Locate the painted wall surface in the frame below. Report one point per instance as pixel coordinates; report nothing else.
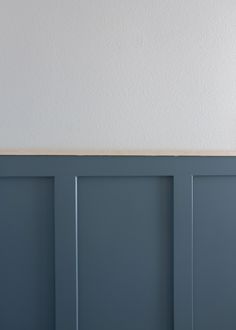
(118, 74)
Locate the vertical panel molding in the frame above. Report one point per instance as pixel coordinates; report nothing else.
(183, 252)
(66, 253)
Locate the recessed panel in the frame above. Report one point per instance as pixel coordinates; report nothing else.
(125, 253)
(214, 253)
(26, 254)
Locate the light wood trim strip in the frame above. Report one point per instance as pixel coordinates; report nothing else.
(54, 152)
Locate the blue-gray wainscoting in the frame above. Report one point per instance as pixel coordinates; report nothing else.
(117, 243)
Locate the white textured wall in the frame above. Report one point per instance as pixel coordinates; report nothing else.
(118, 74)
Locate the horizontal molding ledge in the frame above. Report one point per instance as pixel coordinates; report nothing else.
(54, 152)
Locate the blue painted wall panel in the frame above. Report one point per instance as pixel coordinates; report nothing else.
(117, 243)
(26, 254)
(125, 253)
(214, 252)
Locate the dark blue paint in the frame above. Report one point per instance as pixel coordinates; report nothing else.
(214, 253)
(117, 243)
(125, 253)
(26, 254)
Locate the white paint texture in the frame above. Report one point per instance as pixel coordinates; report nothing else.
(118, 74)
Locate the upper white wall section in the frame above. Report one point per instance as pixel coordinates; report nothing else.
(118, 74)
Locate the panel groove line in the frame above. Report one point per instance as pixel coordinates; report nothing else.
(76, 254)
